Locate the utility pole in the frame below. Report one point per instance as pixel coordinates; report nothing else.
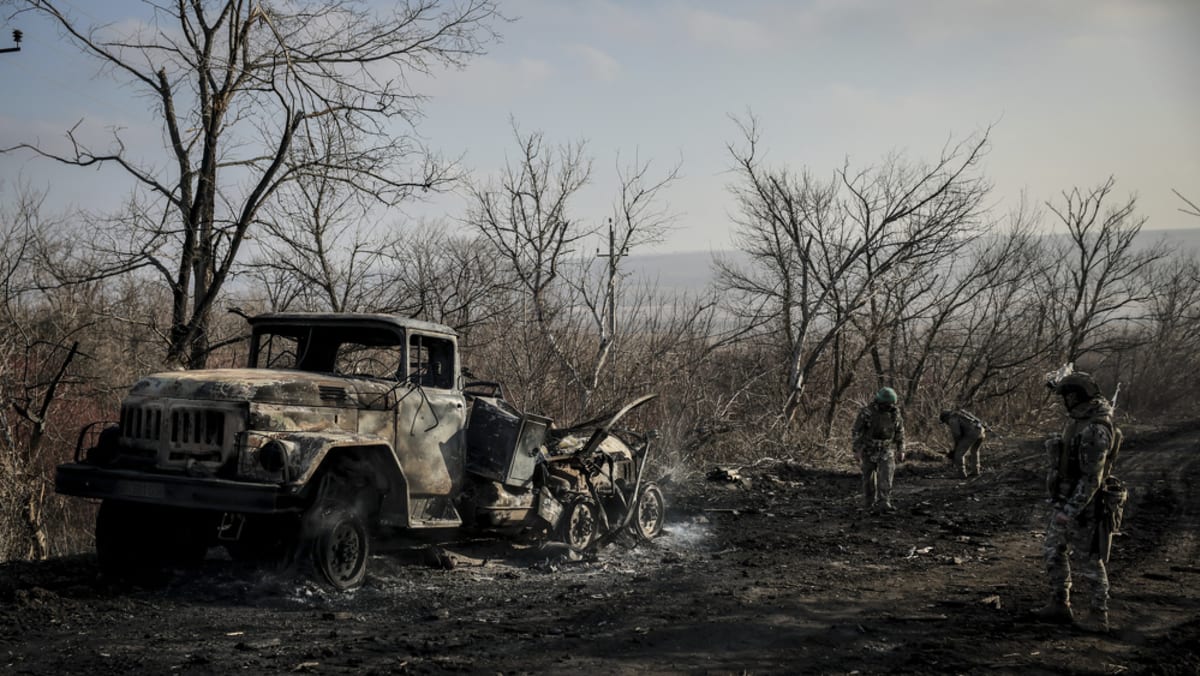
(17, 35)
(614, 257)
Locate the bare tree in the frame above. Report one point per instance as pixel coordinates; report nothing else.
(1192, 209)
(524, 214)
(984, 331)
(454, 279)
(317, 248)
(639, 218)
(1102, 267)
(1172, 352)
(39, 331)
(822, 251)
(239, 87)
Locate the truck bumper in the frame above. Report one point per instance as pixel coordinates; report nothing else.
(90, 481)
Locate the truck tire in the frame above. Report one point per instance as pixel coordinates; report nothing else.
(579, 523)
(340, 545)
(650, 513)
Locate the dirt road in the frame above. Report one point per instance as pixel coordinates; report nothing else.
(780, 573)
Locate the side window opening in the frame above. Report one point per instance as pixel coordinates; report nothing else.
(431, 361)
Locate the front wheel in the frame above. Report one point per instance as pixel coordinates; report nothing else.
(340, 546)
(650, 514)
(579, 524)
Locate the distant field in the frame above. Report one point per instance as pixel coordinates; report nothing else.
(691, 271)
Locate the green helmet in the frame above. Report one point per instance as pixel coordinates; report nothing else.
(886, 395)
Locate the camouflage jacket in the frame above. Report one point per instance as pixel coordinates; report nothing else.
(1086, 440)
(873, 429)
(964, 425)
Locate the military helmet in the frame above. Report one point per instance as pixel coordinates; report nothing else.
(1078, 382)
(886, 395)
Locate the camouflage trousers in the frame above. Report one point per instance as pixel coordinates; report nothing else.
(1075, 540)
(878, 469)
(965, 456)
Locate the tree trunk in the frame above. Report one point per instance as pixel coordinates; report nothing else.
(35, 529)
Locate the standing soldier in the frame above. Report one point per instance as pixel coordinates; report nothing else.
(878, 426)
(966, 435)
(1080, 460)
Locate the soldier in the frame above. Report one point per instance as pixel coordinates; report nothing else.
(966, 435)
(877, 428)
(1080, 460)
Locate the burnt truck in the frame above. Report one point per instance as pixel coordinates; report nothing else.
(341, 430)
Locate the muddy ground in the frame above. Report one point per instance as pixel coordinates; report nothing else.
(776, 573)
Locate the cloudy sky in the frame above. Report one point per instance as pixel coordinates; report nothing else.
(1077, 90)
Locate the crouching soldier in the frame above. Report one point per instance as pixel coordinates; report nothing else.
(1080, 525)
(878, 427)
(966, 436)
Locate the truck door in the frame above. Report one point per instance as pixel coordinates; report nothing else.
(429, 427)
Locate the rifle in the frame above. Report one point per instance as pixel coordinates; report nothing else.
(1111, 498)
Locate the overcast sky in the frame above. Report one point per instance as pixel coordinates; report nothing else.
(1077, 90)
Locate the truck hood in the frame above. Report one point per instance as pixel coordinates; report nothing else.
(267, 386)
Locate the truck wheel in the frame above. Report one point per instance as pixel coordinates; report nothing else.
(340, 546)
(579, 524)
(648, 520)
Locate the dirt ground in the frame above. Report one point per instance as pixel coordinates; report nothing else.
(779, 572)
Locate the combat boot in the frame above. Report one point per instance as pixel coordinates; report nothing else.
(1057, 611)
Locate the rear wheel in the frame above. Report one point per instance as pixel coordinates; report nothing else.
(650, 514)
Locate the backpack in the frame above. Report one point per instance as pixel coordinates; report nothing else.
(971, 418)
(883, 424)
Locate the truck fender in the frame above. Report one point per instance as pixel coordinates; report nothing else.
(368, 458)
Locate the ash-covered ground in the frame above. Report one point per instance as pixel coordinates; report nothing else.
(777, 571)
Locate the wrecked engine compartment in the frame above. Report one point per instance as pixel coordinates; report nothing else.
(580, 485)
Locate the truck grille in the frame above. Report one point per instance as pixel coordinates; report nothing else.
(183, 431)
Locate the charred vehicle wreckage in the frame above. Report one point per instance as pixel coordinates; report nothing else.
(344, 429)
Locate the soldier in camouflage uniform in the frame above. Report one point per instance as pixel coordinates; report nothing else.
(1078, 464)
(878, 427)
(966, 434)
